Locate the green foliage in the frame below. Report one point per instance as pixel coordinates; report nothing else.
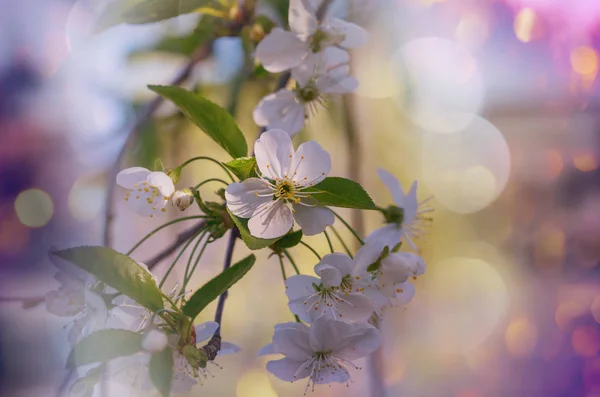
(118, 271)
(254, 243)
(104, 345)
(146, 149)
(215, 121)
(281, 8)
(158, 10)
(217, 286)
(160, 369)
(288, 241)
(243, 168)
(341, 192)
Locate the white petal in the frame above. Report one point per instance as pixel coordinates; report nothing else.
(308, 308)
(280, 111)
(132, 176)
(313, 220)
(387, 236)
(358, 340)
(182, 383)
(144, 203)
(377, 297)
(154, 341)
(397, 268)
(393, 185)
(65, 302)
(281, 50)
(162, 182)
(355, 307)
(340, 261)
(242, 199)
(302, 18)
(354, 35)
(228, 348)
(332, 375)
(274, 152)
(293, 343)
(312, 66)
(410, 204)
(287, 370)
(300, 286)
(323, 333)
(205, 330)
(336, 84)
(271, 220)
(330, 276)
(311, 164)
(406, 294)
(267, 350)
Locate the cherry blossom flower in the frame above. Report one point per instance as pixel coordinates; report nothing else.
(282, 50)
(320, 353)
(315, 78)
(74, 298)
(154, 340)
(147, 193)
(332, 295)
(277, 198)
(182, 199)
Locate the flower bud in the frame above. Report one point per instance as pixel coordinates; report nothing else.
(182, 199)
(154, 341)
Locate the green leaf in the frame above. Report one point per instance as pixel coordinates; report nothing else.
(104, 345)
(160, 369)
(288, 241)
(110, 15)
(217, 286)
(117, 270)
(254, 243)
(243, 168)
(341, 192)
(158, 165)
(215, 121)
(158, 10)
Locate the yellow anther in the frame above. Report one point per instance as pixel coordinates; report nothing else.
(399, 290)
(302, 157)
(140, 189)
(146, 189)
(137, 197)
(154, 208)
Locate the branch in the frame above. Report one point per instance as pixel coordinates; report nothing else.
(143, 116)
(181, 238)
(233, 236)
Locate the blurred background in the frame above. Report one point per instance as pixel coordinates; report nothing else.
(492, 105)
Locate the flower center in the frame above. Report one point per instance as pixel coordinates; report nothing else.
(322, 355)
(286, 190)
(346, 284)
(394, 214)
(317, 40)
(308, 93)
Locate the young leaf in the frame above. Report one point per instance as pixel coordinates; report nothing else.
(218, 285)
(288, 241)
(215, 121)
(243, 168)
(160, 369)
(117, 270)
(157, 10)
(254, 243)
(104, 345)
(341, 192)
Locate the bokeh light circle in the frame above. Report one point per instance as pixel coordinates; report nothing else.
(467, 297)
(443, 86)
(467, 170)
(86, 199)
(34, 208)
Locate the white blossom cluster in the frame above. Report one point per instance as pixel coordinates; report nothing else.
(315, 51)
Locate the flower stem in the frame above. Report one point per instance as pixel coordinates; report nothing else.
(287, 254)
(328, 241)
(233, 236)
(311, 248)
(341, 240)
(181, 239)
(191, 257)
(211, 180)
(136, 246)
(209, 159)
(162, 282)
(188, 276)
(349, 227)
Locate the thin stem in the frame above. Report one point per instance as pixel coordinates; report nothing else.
(136, 246)
(341, 240)
(189, 262)
(287, 254)
(328, 241)
(162, 282)
(348, 226)
(285, 278)
(233, 236)
(187, 279)
(211, 180)
(311, 248)
(181, 239)
(209, 159)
